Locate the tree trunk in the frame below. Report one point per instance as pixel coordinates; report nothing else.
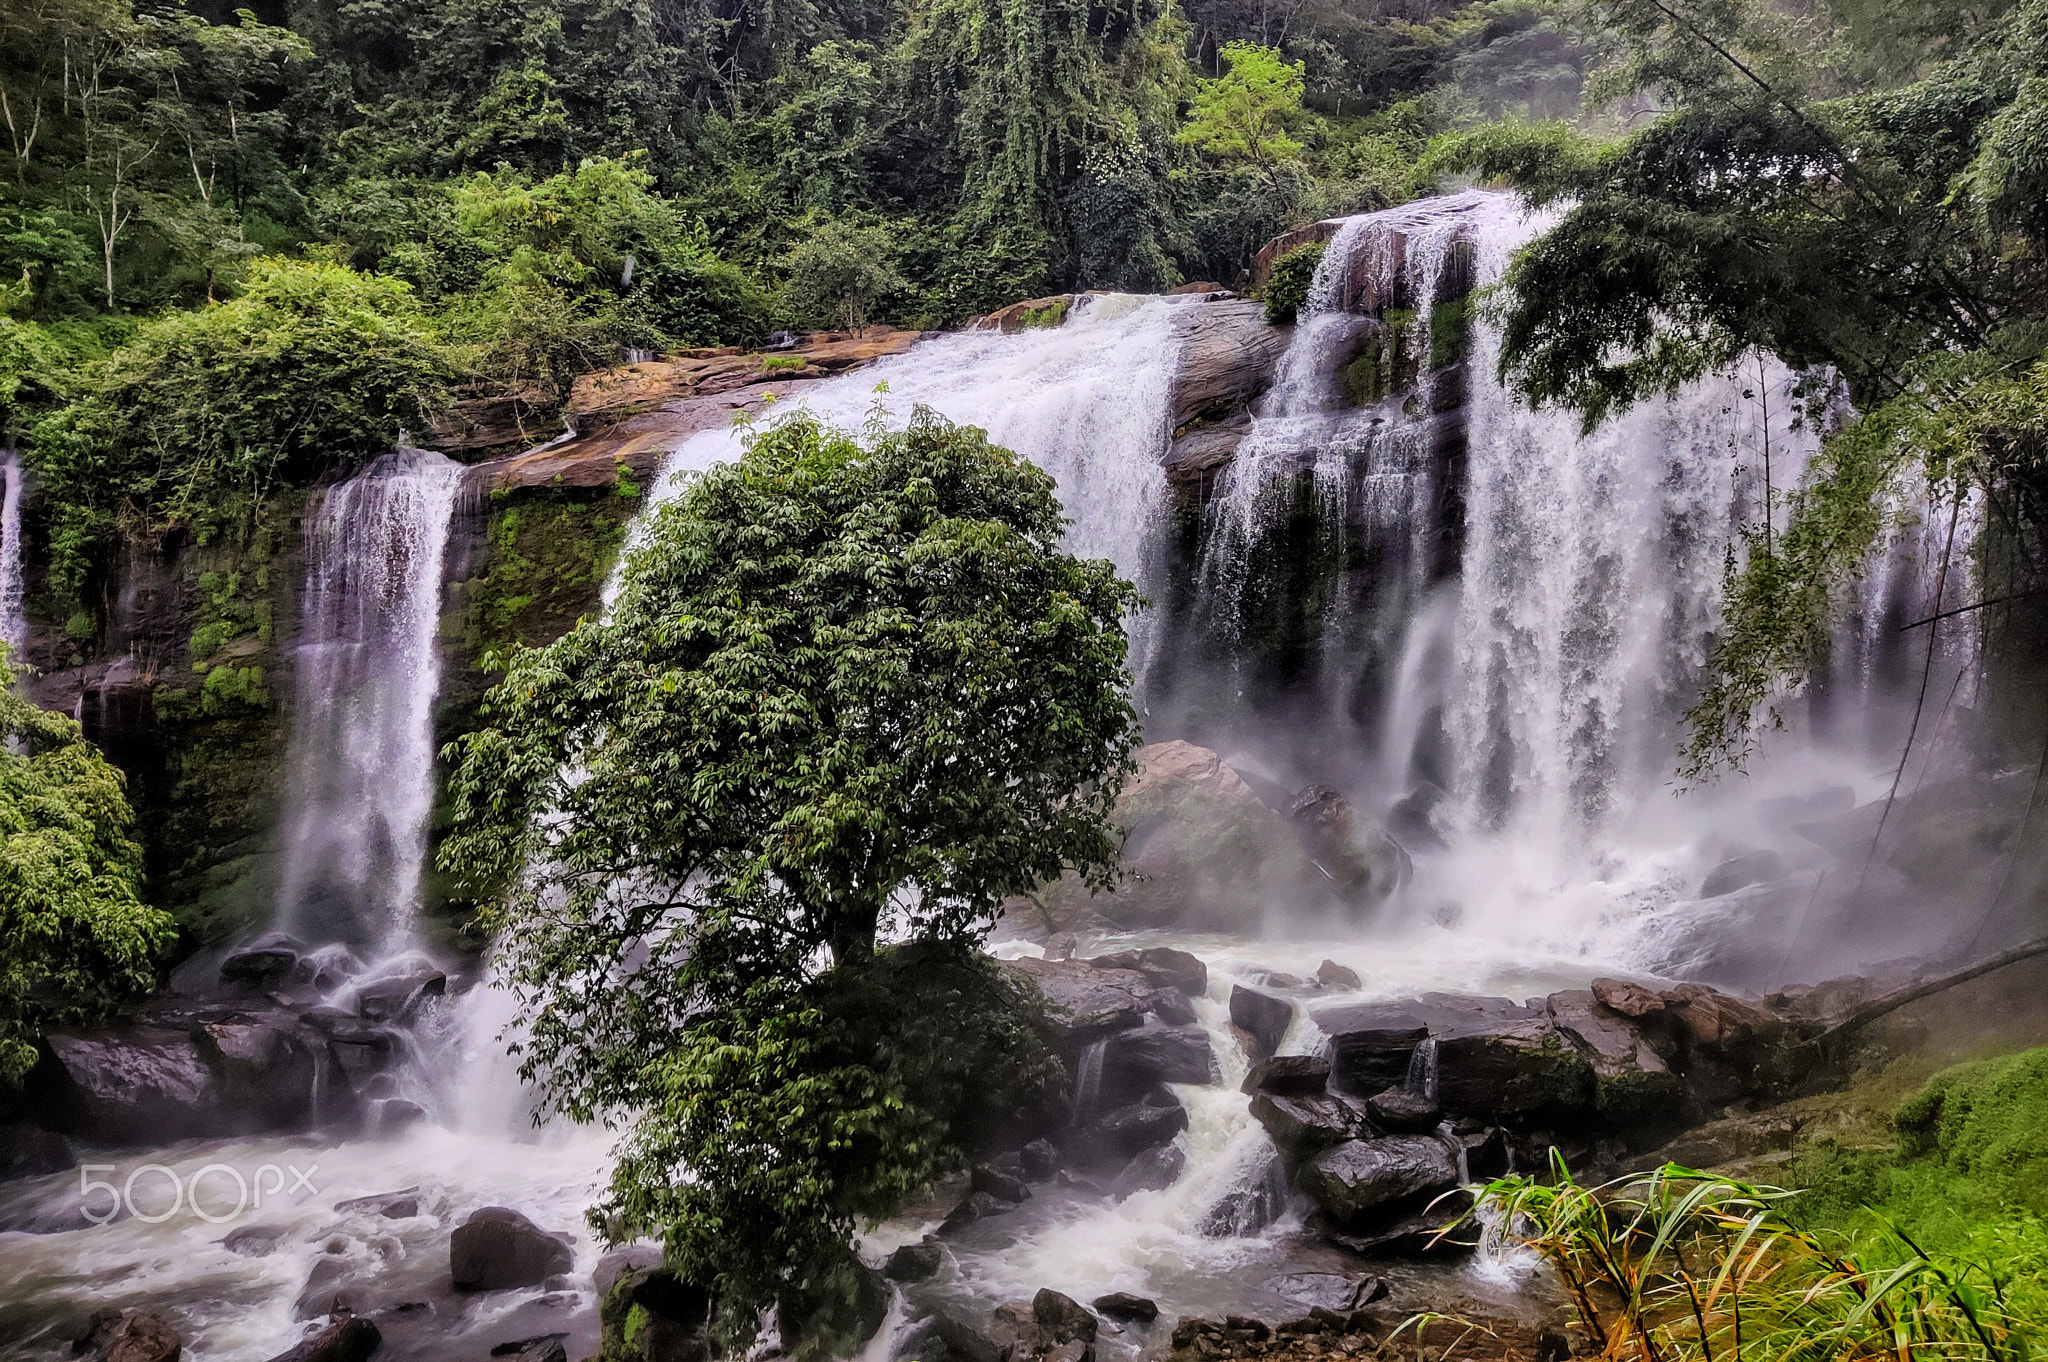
(1835, 1036)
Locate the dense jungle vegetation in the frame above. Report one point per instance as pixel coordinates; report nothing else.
(246, 249)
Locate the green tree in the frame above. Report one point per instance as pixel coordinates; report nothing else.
(851, 691)
(76, 939)
(192, 421)
(1249, 114)
(840, 273)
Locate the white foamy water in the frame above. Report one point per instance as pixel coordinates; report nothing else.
(13, 623)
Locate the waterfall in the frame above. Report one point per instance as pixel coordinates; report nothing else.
(368, 667)
(13, 623)
(1591, 576)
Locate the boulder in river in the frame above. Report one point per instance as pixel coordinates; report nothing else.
(130, 1336)
(1152, 1120)
(1262, 1016)
(1364, 864)
(1140, 1058)
(1122, 1305)
(350, 1338)
(1289, 1076)
(915, 1262)
(1202, 848)
(31, 1152)
(262, 966)
(1085, 1000)
(1354, 1180)
(1164, 966)
(1740, 872)
(648, 1314)
(1300, 1126)
(497, 1248)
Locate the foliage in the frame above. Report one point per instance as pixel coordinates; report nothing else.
(782, 1123)
(851, 690)
(1679, 1264)
(1287, 288)
(1248, 114)
(202, 412)
(76, 939)
(838, 274)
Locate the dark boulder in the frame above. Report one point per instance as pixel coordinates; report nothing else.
(972, 1207)
(1039, 1159)
(546, 1348)
(648, 1314)
(1062, 1318)
(1330, 1290)
(1511, 1067)
(1361, 1180)
(1152, 1171)
(1289, 1076)
(1632, 1085)
(1440, 1229)
(393, 996)
(130, 1336)
(31, 1152)
(1122, 1305)
(1149, 1055)
(1371, 1044)
(1360, 859)
(915, 1262)
(1263, 1017)
(497, 1249)
(1330, 974)
(1171, 1006)
(997, 1183)
(326, 1290)
(130, 1085)
(253, 1241)
(395, 1115)
(266, 1065)
(260, 966)
(1138, 1126)
(942, 1338)
(1403, 1111)
(1164, 966)
(1302, 1125)
(620, 1261)
(1087, 1002)
(351, 1338)
(1740, 872)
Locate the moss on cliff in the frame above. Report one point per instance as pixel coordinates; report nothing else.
(547, 557)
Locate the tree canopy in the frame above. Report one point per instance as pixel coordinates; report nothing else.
(852, 691)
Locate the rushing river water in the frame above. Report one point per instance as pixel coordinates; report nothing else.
(1530, 659)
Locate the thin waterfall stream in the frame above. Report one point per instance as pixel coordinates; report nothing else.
(13, 623)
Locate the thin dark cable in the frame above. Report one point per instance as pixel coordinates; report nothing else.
(1980, 605)
(1920, 704)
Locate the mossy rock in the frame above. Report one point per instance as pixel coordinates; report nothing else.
(1288, 286)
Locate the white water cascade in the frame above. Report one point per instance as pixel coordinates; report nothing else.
(368, 669)
(13, 624)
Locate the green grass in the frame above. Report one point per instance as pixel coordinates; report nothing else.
(1932, 1245)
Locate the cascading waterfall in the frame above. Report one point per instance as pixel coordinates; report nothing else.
(368, 669)
(13, 623)
(1519, 617)
(1591, 577)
